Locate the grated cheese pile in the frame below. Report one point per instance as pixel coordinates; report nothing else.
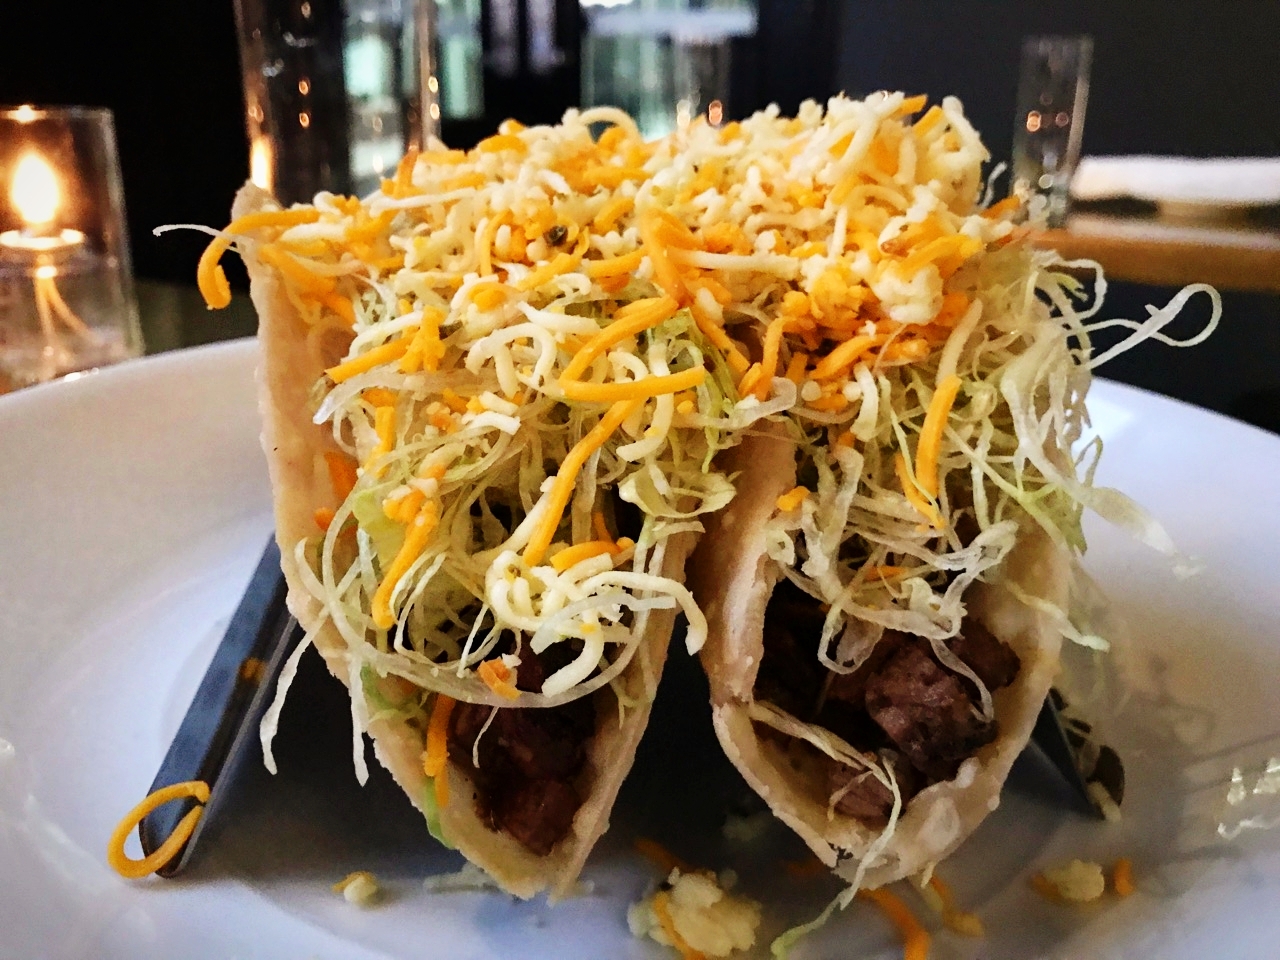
(697, 915)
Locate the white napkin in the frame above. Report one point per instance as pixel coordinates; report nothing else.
(1228, 181)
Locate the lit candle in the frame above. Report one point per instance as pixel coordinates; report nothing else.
(35, 194)
(66, 296)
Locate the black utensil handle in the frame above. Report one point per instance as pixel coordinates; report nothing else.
(226, 705)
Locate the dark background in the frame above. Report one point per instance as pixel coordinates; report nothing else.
(1191, 77)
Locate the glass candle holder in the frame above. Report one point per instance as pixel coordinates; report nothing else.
(66, 286)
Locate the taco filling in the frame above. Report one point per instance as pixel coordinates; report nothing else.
(902, 704)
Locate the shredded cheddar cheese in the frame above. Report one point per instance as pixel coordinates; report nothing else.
(641, 389)
(497, 677)
(935, 422)
(915, 939)
(792, 499)
(132, 869)
(367, 361)
(415, 541)
(562, 487)
(662, 911)
(1122, 877)
(436, 753)
(211, 278)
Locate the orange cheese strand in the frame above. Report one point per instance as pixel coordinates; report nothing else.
(488, 296)
(641, 389)
(384, 424)
(796, 368)
(425, 348)
(911, 105)
(792, 499)
(664, 858)
(915, 939)
(610, 213)
(747, 384)
(566, 478)
(611, 177)
(501, 141)
(1122, 877)
(415, 541)
(211, 278)
(296, 271)
(884, 571)
(665, 273)
(845, 356)
(370, 359)
(935, 421)
(602, 529)
(769, 361)
(956, 245)
(715, 333)
(126, 866)
(497, 677)
(956, 920)
(571, 556)
(342, 474)
(436, 753)
(927, 509)
(933, 116)
(998, 210)
(560, 264)
(404, 509)
(624, 265)
(484, 241)
(663, 913)
(340, 305)
(631, 320)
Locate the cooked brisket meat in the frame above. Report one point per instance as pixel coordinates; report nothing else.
(926, 711)
(530, 760)
(901, 698)
(865, 797)
(991, 659)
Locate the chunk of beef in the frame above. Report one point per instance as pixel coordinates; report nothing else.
(864, 797)
(990, 658)
(926, 711)
(852, 687)
(538, 813)
(529, 758)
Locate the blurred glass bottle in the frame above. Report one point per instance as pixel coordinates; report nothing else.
(663, 61)
(1053, 91)
(335, 90)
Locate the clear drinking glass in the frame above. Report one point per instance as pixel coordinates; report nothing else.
(66, 286)
(336, 91)
(1053, 90)
(663, 61)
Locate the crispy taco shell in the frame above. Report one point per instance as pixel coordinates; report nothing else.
(733, 580)
(294, 358)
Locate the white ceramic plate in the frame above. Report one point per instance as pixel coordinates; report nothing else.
(135, 505)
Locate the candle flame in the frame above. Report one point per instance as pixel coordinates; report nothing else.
(35, 189)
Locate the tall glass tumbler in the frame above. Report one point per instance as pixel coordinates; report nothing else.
(336, 91)
(66, 288)
(1053, 91)
(663, 61)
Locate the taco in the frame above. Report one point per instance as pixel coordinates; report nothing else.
(490, 438)
(885, 595)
